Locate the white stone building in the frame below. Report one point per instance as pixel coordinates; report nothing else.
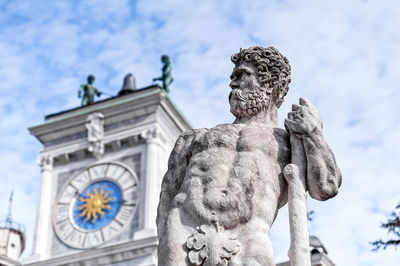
(12, 243)
(102, 167)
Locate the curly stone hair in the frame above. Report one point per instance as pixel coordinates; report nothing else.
(273, 69)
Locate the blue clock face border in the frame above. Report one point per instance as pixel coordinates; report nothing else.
(109, 193)
(96, 205)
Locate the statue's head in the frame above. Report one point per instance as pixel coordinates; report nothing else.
(90, 79)
(260, 78)
(164, 59)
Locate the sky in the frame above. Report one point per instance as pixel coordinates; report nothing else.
(344, 55)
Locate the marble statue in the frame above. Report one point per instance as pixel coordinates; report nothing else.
(224, 185)
(95, 134)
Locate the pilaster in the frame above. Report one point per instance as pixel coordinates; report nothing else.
(43, 220)
(155, 168)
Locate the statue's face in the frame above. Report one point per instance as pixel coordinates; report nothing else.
(164, 59)
(246, 98)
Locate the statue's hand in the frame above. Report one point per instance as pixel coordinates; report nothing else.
(303, 119)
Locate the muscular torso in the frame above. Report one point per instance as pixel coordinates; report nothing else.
(235, 175)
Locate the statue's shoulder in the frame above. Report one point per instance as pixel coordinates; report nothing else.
(201, 138)
(186, 138)
(192, 133)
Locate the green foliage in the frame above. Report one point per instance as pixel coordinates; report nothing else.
(393, 228)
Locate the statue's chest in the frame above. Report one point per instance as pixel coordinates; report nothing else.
(238, 138)
(257, 139)
(222, 137)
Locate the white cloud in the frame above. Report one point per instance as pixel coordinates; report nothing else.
(344, 57)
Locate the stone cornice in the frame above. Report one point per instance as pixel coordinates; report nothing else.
(105, 255)
(119, 140)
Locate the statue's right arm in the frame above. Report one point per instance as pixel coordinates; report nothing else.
(173, 178)
(96, 90)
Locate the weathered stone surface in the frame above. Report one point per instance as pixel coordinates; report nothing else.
(224, 185)
(95, 128)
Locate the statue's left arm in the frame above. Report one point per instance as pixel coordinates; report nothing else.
(323, 175)
(96, 90)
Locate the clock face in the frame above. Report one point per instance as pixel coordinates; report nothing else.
(96, 205)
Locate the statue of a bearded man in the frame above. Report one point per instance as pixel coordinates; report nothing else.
(224, 185)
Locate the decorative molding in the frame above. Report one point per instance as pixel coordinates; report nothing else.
(95, 136)
(82, 152)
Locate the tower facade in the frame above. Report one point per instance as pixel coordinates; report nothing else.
(102, 167)
(318, 254)
(12, 239)
(12, 244)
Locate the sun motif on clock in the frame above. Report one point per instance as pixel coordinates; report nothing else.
(96, 205)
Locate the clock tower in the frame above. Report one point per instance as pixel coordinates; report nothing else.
(102, 166)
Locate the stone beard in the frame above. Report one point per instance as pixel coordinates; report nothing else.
(224, 185)
(245, 104)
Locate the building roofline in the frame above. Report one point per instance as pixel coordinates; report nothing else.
(47, 117)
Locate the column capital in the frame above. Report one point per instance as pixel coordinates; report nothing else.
(152, 135)
(46, 162)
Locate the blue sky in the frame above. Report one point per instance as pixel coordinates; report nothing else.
(344, 55)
